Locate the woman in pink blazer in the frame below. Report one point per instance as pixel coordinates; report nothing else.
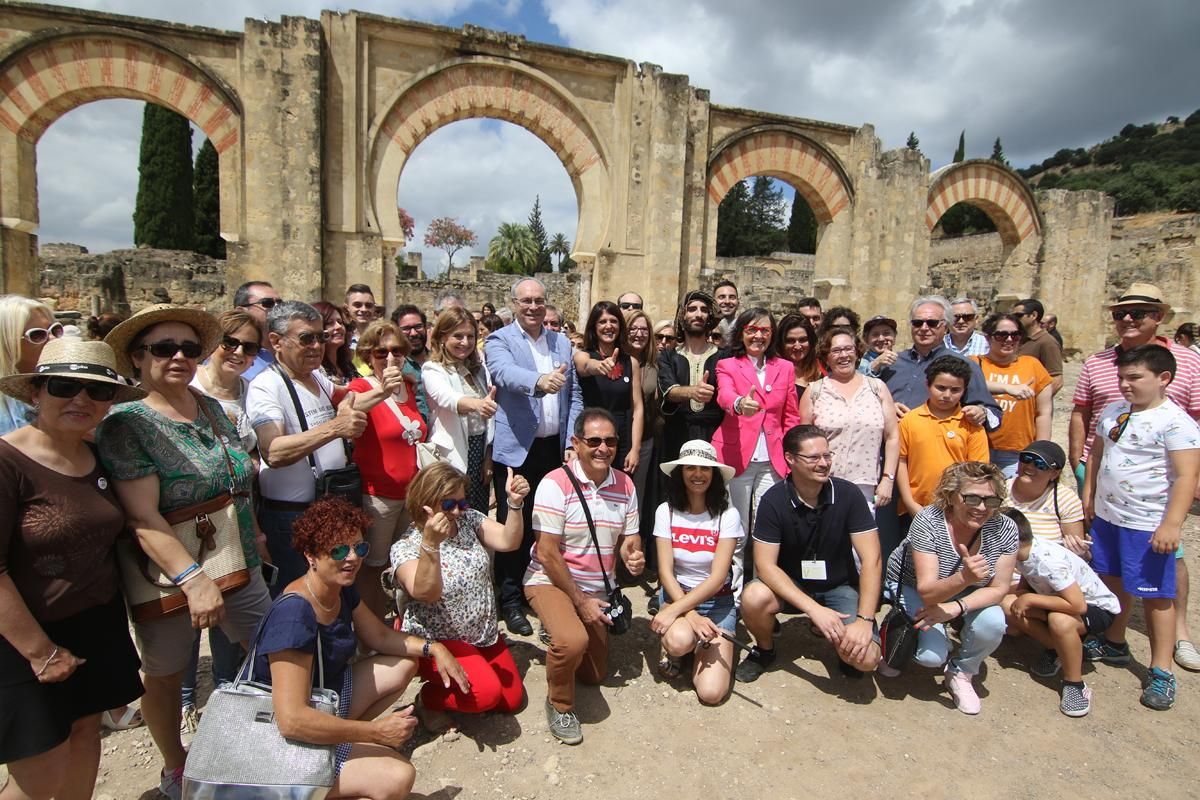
(754, 388)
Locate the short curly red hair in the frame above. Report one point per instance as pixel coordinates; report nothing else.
(329, 521)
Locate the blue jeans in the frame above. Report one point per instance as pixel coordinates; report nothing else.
(277, 527)
(226, 658)
(982, 632)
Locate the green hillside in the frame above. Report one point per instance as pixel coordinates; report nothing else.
(1152, 167)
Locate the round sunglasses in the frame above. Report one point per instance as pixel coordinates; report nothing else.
(43, 335)
(340, 552)
(66, 388)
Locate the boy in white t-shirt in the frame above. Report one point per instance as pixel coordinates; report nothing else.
(1060, 601)
(1140, 479)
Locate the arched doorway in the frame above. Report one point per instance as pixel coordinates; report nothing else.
(44, 78)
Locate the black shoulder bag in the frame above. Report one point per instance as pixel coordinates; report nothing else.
(619, 610)
(344, 481)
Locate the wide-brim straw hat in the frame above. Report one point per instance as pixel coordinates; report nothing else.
(1142, 294)
(71, 358)
(203, 323)
(698, 453)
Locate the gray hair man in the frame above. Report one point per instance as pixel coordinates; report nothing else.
(962, 337)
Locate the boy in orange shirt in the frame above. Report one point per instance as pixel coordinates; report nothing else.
(937, 434)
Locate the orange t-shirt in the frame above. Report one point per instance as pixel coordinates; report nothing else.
(1017, 428)
(929, 445)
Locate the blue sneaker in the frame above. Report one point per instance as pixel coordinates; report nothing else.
(1097, 648)
(1159, 693)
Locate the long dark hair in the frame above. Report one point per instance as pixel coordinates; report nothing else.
(590, 340)
(716, 500)
(343, 364)
(808, 368)
(737, 347)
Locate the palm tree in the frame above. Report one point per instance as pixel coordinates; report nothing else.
(513, 248)
(559, 246)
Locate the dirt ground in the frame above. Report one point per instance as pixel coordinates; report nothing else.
(803, 730)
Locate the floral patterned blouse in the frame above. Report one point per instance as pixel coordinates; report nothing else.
(854, 428)
(135, 441)
(467, 610)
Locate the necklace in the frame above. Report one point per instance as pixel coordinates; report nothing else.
(317, 600)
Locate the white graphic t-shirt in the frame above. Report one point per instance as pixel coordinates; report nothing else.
(1135, 474)
(1050, 568)
(694, 540)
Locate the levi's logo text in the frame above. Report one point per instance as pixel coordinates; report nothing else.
(697, 540)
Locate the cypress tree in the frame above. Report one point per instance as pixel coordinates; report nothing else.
(734, 222)
(163, 216)
(207, 198)
(961, 152)
(998, 152)
(538, 230)
(802, 227)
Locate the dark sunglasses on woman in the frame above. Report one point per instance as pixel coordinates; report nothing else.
(451, 504)
(43, 335)
(249, 349)
(66, 388)
(1036, 460)
(340, 552)
(168, 349)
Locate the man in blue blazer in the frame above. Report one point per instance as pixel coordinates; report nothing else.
(539, 398)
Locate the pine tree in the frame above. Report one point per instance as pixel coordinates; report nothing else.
(206, 196)
(961, 152)
(998, 153)
(913, 142)
(538, 231)
(766, 211)
(802, 227)
(163, 215)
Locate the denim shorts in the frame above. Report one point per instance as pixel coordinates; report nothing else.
(842, 599)
(1126, 554)
(720, 609)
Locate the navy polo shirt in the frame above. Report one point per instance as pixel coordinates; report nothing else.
(814, 534)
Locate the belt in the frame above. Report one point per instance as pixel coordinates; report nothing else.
(283, 505)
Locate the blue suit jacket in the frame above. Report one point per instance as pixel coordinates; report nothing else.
(515, 376)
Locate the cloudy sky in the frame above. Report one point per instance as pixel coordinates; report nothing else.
(1040, 75)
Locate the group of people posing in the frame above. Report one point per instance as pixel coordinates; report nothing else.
(743, 466)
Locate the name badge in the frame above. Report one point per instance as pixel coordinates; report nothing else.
(812, 570)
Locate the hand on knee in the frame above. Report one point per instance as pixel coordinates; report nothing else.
(679, 639)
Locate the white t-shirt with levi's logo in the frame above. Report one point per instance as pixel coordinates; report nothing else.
(694, 540)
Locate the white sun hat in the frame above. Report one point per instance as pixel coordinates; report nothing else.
(698, 453)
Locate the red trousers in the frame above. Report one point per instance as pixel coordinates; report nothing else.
(495, 684)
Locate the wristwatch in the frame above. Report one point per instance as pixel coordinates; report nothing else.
(426, 648)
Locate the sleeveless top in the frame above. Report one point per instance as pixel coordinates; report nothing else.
(612, 392)
(854, 428)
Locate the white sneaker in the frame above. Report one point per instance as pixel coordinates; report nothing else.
(1187, 656)
(962, 689)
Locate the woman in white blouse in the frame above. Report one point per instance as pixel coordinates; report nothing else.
(462, 401)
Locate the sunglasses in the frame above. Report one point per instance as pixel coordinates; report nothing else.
(1135, 314)
(1036, 460)
(662, 337)
(926, 323)
(1119, 428)
(964, 317)
(66, 388)
(168, 349)
(43, 335)
(1011, 336)
(627, 306)
(308, 338)
(991, 502)
(250, 349)
(594, 442)
(450, 504)
(340, 552)
(384, 352)
(267, 303)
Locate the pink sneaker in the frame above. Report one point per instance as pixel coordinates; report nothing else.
(963, 691)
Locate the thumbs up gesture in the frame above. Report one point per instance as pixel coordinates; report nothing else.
(974, 567)
(392, 376)
(517, 488)
(749, 406)
(487, 405)
(703, 391)
(350, 421)
(553, 382)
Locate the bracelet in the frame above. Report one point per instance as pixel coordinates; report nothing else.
(962, 608)
(426, 648)
(433, 551)
(53, 655)
(196, 573)
(866, 619)
(516, 508)
(178, 579)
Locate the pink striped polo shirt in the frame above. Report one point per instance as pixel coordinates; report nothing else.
(557, 512)
(1097, 385)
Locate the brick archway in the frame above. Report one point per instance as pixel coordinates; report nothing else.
(484, 86)
(781, 152)
(47, 76)
(995, 189)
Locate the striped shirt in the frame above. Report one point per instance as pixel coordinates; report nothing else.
(1046, 513)
(930, 534)
(1097, 385)
(557, 512)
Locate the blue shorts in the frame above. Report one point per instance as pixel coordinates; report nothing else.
(1125, 553)
(719, 608)
(1080, 470)
(842, 599)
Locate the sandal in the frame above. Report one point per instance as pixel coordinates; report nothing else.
(132, 718)
(670, 667)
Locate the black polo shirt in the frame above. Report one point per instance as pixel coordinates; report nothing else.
(814, 534)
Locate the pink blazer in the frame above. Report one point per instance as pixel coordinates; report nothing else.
(736, 438)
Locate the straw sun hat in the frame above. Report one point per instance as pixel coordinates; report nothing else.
(71, 358)
(698, 453)
(121, 337)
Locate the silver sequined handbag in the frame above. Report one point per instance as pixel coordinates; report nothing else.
(238, 752)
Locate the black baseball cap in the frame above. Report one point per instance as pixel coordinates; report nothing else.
(1048, 451)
